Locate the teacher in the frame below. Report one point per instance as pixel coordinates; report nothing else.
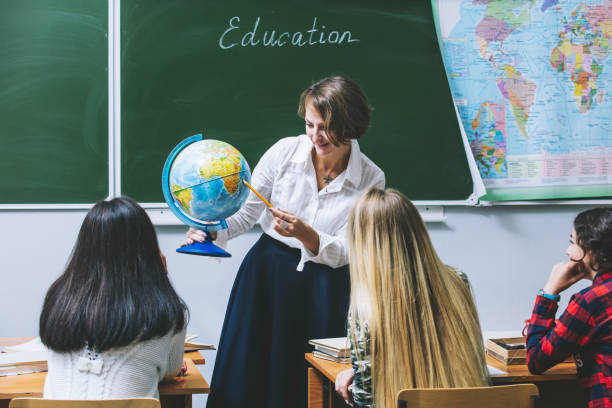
(293, 285)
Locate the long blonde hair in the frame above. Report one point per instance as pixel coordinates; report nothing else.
(422, 321)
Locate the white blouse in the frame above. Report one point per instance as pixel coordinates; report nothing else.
(286, 177)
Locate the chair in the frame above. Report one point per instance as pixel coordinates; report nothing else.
(502, 396)
(110, 403)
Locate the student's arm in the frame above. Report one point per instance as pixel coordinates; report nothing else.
(175, 355)
(550, 342)
(362, 383)
(362, 367)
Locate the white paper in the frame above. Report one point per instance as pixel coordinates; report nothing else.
(33, 345)
(22, 357)
(495, 371)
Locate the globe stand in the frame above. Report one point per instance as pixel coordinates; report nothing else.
(206, 248)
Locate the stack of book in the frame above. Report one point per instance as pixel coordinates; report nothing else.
(335, 349)
(508, 350)
(511, 350)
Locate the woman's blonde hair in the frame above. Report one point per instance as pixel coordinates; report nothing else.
(422, 321)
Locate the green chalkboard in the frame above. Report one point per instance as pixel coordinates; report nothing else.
(213, 67)
(53, 101)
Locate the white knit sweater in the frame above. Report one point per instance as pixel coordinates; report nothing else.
(127, 372)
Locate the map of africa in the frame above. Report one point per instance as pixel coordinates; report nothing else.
(532, 82)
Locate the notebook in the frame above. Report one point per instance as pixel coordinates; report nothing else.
(325, 356)
(335, 347)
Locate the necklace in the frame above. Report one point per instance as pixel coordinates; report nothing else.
(328, 179)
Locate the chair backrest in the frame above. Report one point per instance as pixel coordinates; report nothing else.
(501, 396)
(110, 403)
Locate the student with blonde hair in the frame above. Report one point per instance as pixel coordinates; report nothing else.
(412, 319)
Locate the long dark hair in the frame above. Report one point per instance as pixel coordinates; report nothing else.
(594, 233)
(115, 288)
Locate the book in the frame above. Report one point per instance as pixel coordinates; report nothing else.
(508, 350)
(22, 369)
(511, 350)
(17, 358)
(335, 347)
(325, 356)
(190, 345)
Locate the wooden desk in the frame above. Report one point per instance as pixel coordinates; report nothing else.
(172, 394)
(321, 378)
(558, 387)
(520, 374)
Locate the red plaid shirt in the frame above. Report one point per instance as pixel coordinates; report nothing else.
(584, 330)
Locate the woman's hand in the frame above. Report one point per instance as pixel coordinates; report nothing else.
(183, 371)
(344, 382)
(564, 275)
(196, 235)
(289, 225)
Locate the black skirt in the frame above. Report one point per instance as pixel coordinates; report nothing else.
(272, 312)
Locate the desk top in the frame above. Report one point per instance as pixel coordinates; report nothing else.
(514, 373)
(519, 373)
(328, 368)
(31, 385)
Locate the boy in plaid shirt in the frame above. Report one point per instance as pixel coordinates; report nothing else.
(585, 328)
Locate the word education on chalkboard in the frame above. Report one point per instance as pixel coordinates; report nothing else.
(234, 72)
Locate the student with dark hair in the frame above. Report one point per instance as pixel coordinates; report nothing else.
(584, 330)
(112, 322)
(293, 285)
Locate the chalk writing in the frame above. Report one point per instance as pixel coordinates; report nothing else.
(235, 36)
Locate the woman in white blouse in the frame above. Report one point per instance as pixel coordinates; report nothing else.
(293, 285)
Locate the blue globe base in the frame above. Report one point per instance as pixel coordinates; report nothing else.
(207, 248)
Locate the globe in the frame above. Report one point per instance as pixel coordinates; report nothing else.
(203, 184)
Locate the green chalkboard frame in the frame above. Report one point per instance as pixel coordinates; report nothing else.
(53, 102)
(184, 70)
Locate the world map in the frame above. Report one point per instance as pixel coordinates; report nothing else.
(531, 81)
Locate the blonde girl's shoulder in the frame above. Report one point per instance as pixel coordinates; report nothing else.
(460, 274)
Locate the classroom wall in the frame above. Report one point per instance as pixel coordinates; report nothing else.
(507, 251)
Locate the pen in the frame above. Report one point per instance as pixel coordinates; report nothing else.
(257, 194)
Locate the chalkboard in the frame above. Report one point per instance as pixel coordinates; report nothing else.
(234, 70)
(53, 101)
